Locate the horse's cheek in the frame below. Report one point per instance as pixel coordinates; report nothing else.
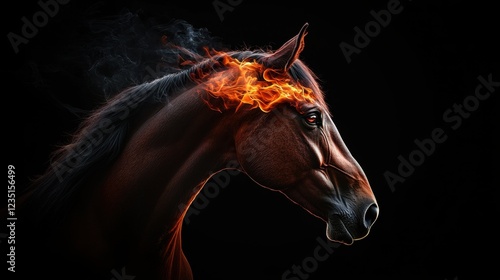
(246, 153)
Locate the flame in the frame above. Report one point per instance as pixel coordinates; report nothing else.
(251, 83)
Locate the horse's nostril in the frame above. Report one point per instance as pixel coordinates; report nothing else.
(371, 215)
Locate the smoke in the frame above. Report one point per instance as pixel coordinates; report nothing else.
(128, 50)
(96, 56)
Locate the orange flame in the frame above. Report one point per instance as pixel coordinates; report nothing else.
(251, 83)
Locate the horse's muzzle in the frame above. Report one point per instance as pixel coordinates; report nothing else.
(347, 227)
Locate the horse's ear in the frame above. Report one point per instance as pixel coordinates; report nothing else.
(284, 57)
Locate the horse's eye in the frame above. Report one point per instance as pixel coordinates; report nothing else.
(313, 118)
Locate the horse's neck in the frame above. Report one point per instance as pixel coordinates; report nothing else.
(158, 174)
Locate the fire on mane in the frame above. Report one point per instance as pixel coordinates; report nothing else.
(251, 83)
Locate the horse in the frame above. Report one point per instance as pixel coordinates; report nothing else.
(116, 195)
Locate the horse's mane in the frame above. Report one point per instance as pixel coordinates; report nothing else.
(102, 135)
(96, 144)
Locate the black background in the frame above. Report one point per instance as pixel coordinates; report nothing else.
(440, 223)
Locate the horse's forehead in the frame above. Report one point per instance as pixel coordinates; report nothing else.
(318, 103)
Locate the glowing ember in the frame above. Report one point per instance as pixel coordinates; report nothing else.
(251, 83)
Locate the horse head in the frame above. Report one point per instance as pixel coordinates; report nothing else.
(295, 148)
